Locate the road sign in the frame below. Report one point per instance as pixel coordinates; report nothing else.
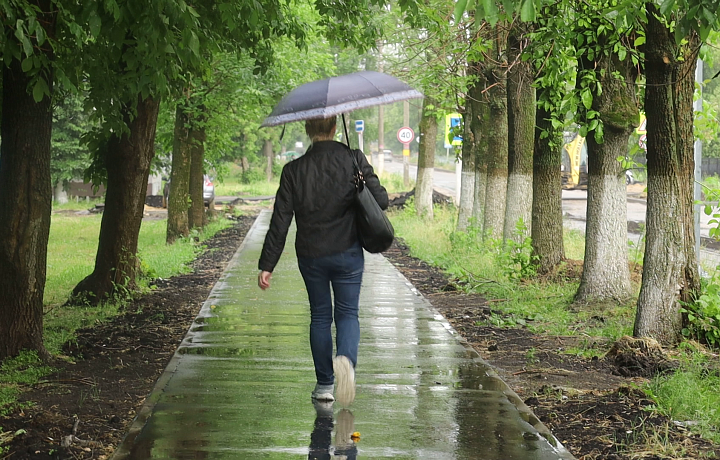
(405, 135)
(453, 127)
(359, 126)
(642, 142)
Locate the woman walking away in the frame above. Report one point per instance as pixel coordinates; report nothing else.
(318, 189)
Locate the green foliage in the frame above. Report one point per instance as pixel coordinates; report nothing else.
(252, 175)
(517, 257)
(703, 315)
(712, 208)
(69, 156)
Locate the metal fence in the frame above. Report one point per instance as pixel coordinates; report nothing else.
(710, 167)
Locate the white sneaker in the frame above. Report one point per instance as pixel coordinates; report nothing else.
(345, 378)
(323, 393)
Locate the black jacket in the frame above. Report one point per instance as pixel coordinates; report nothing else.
(318, 189)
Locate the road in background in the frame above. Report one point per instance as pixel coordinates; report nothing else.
(574, 204)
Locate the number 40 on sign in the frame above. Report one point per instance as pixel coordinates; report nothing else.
(405, 135)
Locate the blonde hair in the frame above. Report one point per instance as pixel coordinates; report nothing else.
(321, 129)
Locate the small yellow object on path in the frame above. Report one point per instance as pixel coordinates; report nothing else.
(355, 436)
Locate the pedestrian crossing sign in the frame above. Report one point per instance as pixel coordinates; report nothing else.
(453, 130)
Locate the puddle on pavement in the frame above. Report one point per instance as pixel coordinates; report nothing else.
(239, 387)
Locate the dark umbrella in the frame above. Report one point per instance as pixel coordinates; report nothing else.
(336, 95)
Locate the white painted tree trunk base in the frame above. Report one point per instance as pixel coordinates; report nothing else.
(424, 192)
(495, 206)
(606, 275)
(467, 196)
(519, 206)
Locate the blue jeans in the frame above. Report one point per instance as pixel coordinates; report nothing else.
(343, 272)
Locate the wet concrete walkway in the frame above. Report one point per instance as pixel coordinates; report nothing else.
(239, 385)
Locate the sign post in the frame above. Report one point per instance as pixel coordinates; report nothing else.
(359, 128)
(406, 135)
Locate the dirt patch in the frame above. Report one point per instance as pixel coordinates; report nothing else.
(586, 403)
(111, 367)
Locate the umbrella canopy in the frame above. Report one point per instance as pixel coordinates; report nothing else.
(336, 95)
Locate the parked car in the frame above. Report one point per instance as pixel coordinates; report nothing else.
(208, 191)
(388, 154)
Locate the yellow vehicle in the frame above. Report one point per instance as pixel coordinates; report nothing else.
(574, 162)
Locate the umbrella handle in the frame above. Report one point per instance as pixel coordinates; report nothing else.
(347, 137)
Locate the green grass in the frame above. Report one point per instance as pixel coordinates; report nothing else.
(71, 256)
(25, 369)
(232, 184)
(394, 183)
(481, 266)
(691, 394)
(545, 307)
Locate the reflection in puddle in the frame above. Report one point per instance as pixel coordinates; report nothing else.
(321, 446)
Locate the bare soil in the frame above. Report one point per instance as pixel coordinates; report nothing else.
(92, 397)
(593, 406)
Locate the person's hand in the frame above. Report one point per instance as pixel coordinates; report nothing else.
(264, 280)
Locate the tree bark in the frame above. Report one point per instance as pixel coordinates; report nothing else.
(178, 221)
(605, 271)
(127, 160)
(25, 207)
(197, 217)
(268, 151)
(478, 117)
(606, 275)
(670, 266)
(426, 161)
(467, 174)
(521, 129)
(547, 222)
(497, 149)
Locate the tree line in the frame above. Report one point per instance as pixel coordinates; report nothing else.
(519, 71)
(528, 69)
(128, 60)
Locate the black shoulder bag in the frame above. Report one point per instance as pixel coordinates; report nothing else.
(375, 231)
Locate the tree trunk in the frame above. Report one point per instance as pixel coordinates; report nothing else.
(25, 207)
(127, 161)
(684, 92)
(477, 118)
(606, 275)
(177, 206)
(547, 220)
(670, 267)
(197, 217)
(467, 175)
(521, 129)
(497, 154)
(268, 151)
(426, 161)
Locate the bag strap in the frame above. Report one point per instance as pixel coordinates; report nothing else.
(358, 172)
